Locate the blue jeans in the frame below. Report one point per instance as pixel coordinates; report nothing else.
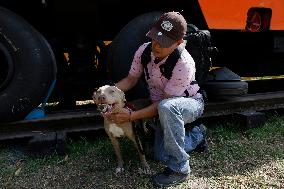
(172, 142)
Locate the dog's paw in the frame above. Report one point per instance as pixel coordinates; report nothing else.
(145, 170)
(119, 170)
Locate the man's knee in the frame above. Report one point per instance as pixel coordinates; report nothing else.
(165, 106)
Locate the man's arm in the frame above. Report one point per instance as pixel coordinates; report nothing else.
(149, 111)
(127, 83)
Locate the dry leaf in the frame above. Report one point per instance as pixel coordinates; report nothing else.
(18, 171)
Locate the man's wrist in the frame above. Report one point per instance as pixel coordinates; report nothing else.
(129, 116)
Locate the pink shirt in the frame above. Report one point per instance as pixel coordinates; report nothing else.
(183, 74)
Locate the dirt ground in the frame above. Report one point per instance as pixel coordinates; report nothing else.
(238, 158)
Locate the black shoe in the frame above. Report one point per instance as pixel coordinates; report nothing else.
(203, 146)
(169, 178)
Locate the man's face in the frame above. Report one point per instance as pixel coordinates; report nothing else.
(160, 52)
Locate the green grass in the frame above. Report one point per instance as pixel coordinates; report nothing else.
(274, 127)
(4, 169)
(36, 163)
(238, 158)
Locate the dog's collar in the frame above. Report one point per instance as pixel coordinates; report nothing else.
(130, 107)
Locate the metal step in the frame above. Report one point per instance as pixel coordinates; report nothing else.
(90, 120)
(249, 102)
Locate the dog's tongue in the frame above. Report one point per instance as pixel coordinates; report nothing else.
(107, 109)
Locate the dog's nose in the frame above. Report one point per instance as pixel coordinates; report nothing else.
(102, 98)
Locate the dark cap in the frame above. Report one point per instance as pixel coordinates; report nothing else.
(170, 28)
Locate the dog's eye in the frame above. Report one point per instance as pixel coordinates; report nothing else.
(111, 91)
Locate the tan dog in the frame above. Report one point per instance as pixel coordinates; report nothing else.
(110, 99)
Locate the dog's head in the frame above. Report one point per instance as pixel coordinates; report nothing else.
(108, 97)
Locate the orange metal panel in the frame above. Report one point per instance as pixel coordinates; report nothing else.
(232, 14)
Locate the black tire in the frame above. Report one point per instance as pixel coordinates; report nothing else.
(29, 66)
(224, 89)
(123, 47)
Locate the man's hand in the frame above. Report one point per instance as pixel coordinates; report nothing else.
(121, 117)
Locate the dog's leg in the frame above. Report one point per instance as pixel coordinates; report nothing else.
(116, 147)
(145, 167)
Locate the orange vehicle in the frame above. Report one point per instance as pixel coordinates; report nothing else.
(222, 14)
(36, 35)
(254, 31)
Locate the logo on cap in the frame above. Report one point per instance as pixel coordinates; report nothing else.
(167, 25)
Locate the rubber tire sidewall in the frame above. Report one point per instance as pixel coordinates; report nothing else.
(223, 89)
(34, 66)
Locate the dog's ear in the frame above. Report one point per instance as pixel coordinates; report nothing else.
(122, 95)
